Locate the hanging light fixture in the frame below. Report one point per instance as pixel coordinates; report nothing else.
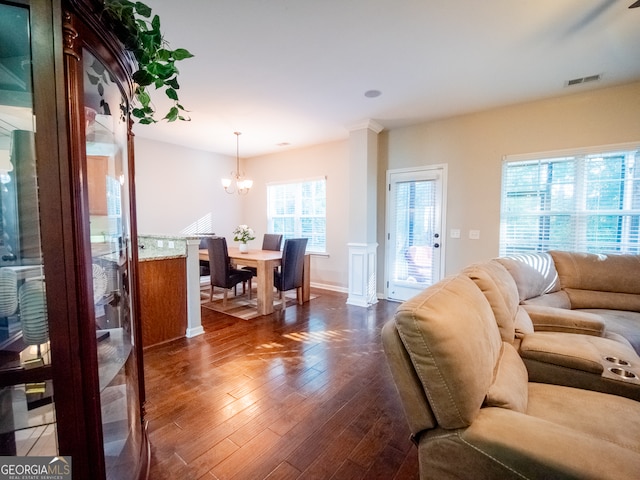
(242, 185)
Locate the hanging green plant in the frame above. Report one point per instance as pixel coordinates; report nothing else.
(140, 34)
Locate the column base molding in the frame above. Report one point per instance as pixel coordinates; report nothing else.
(362, 274)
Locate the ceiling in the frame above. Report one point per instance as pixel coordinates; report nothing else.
(295, 72)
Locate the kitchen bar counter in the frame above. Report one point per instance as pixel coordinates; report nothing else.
(169, 286)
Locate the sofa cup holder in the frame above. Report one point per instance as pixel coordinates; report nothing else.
(618, 361)
(622, 373)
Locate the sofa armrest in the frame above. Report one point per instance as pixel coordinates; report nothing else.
(552, 319)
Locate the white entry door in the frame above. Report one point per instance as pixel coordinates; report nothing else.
(415, 250)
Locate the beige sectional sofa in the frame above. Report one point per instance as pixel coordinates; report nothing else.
(558, 345)
(606, 285)
(519, 367)
(474, 413)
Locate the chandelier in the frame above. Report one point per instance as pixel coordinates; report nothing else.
(237, 183)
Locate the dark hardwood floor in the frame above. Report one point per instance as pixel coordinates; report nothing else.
(304, 394)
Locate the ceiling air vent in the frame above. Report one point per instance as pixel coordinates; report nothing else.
(578, 81)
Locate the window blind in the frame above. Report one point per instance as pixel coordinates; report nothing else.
(298, 210)
(588, 202)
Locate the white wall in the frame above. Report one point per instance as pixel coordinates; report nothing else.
(178, 190)
(474, 145)
(330, 160)
(176, 187)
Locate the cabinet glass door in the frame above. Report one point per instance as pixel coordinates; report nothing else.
(27, 415)
(107, 184)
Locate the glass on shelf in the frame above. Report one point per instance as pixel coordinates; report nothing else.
(110, 236)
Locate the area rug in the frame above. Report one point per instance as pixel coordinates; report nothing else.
(241, 306)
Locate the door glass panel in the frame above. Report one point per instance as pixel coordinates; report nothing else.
(27, 415)
(109, 225)
(414, 237)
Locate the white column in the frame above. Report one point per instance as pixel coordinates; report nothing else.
(194, 320)
(362, 274)
(363, 184)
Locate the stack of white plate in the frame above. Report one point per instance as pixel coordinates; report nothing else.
(100, 282)
(33, 312)
(8, 292)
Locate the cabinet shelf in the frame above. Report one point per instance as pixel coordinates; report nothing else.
(113, 353)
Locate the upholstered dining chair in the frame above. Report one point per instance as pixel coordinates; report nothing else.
(204, 264)
(222, 274)
(290, 274)
(270, 241)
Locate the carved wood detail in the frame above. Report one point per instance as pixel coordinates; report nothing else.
(69, 35)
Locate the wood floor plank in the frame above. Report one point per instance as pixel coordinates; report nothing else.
(349, 470)
(219, 452)
(409, 466)
(300, 394)
(266, 419)
(234, 464)
(284, 471)
(324, 465)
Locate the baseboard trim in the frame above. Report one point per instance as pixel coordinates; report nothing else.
(331, 288)
(194, 332)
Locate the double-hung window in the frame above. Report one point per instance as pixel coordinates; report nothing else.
(298, 210)
(586, 201)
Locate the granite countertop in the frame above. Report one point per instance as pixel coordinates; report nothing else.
(161, 247)
(195, 236)
(146, 255)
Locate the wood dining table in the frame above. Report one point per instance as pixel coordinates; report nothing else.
(265, 261)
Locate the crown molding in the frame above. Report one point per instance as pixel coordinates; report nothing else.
(366, 124)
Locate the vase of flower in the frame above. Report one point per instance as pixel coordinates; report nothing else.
(243, 234)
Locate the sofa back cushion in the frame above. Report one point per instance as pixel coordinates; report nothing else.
(454, 344)
(501, 291)
(534, 273)
(598, 280)
(590, 271)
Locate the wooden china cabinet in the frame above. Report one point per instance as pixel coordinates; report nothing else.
(71, 374)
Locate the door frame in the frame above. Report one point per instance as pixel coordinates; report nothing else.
(442, 170)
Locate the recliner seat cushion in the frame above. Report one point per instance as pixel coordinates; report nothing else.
(623, 323)
(567, 433)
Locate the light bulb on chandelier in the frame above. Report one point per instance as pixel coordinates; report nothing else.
(237, 183)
